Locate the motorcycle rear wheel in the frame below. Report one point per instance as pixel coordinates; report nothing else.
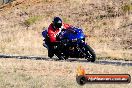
(50, 54)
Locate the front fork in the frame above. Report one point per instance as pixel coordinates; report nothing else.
(81, 48)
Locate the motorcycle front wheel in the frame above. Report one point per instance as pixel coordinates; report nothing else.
(89, 53)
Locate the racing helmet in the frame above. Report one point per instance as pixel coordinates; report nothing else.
(57, 22)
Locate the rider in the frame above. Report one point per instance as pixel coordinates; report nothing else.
(53, 31)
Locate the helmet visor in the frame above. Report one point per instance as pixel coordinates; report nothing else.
(58, 25)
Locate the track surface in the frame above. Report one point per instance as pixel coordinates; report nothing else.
(112, 62)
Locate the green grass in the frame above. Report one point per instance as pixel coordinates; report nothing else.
(127, 8)
(32, 20)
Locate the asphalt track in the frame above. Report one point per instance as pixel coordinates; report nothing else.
(104, 62)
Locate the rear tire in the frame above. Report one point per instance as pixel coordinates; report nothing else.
(89, 53)
(50, 54)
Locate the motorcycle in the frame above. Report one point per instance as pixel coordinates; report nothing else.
(71, 45)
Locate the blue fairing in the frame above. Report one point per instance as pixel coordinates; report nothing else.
(77, 35)
(44, 33)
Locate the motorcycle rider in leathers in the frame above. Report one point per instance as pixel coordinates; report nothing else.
(53, 31)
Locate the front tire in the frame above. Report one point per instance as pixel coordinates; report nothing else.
(89, 53)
